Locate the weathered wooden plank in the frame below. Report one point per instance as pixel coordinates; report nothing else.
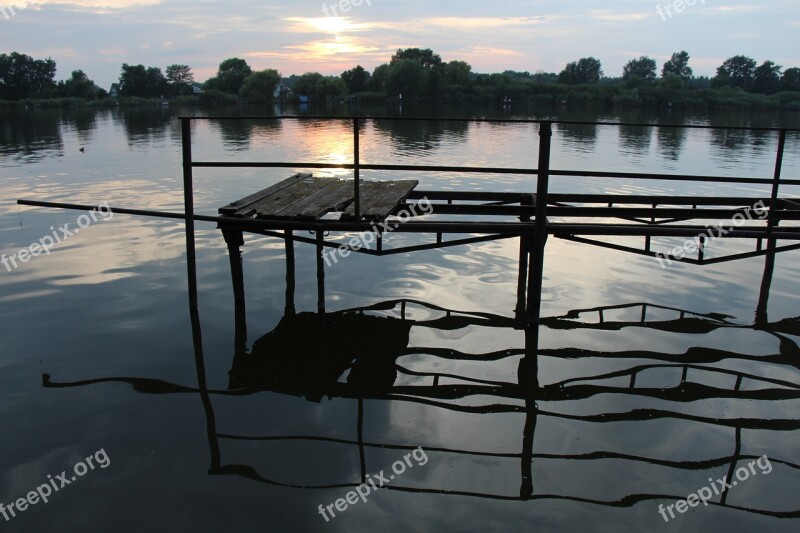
(240, 208)
(330, 198)
(380, 198)
(280, 200)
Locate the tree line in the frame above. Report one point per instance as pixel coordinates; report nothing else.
(418, 73)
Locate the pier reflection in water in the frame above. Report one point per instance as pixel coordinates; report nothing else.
(600, 427)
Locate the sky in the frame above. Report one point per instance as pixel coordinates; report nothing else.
(97, 36)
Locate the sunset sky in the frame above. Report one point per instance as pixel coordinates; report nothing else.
(295, 37)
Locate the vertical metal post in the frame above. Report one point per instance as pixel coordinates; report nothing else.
(288, 238)
(540, 230)
(188, 206)
(769, 260)
(356, 169)
(776, 181)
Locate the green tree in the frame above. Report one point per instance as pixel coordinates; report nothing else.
(407, 77)
(678, 64)
(378, 80)
(230, 76)
(737, 71)
(767, 78)
(155, 83)
(21, 76)
(306, 85)
(133, 80)
(356, 79)
(179, 79)
(259, 87)
(585, 70)
(330, 87)
(457, 72)
(639, 71)
(79, 86)
(427, 58)
(673, 82)
(790, 81)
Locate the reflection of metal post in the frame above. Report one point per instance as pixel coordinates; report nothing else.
(762, 319)
(529, 384)
(290, 272)
(202, 385)
(361, 456)
(320, 271)
(188, 207)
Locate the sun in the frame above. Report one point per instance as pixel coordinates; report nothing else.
(334, 25)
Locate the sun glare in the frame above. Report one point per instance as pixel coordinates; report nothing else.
(333, 25)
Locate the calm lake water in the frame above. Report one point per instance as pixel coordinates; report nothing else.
(105, 316)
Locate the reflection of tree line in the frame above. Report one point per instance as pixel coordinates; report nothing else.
(29, 133)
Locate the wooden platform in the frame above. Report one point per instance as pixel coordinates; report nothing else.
(304, 197)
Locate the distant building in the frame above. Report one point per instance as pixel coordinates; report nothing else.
(197, 88)
(113, 92)
(282, 91)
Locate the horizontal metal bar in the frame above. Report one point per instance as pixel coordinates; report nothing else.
(490, 170)
(655, 199)
(504, 228)
(646, 212)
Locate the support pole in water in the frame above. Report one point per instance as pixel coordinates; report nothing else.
(188, 206)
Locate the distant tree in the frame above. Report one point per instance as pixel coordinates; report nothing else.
(427, 58)
(330, 87)
(133, 80)
(767, 78)
(790, 81)
(179, 79)
(585, 70)
(230, 76)
(737, 71)
(306, 85)
(457, 72)
(639, 71)
(21, 76)
(155, 83)
(672, 81)
(378, 80)
(407, 77)
(78, 86)
(678, 65)
(356, 79)
(259, 87)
